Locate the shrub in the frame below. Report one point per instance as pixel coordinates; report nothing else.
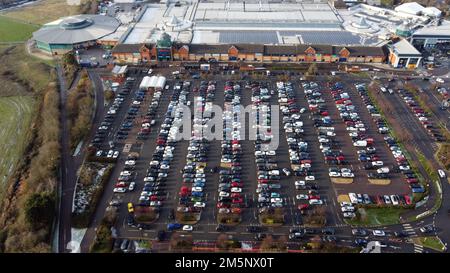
(39, 209)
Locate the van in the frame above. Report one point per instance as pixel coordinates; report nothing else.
(360, 143)
(353, 198)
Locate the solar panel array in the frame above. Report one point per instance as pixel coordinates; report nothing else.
(307, 37)
(261, 37)
(330, 37)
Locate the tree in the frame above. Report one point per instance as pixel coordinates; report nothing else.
(39, 210)
(312, 69)
(221, 242)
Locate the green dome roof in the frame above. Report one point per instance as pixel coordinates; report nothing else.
(164, 41)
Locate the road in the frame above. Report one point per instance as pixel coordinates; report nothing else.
(70, 163)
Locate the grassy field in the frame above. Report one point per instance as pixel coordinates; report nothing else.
(43, 12)
(12, 30)
(15, 118)
(377, 216)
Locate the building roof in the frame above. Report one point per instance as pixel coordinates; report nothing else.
(213, 49)
(403, 47)
(442, 30)
(126, 48)
(432, 11)
(362, 50)
(410, 8)
(76, 29)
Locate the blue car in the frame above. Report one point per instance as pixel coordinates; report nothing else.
(197, 194)
(174, 226)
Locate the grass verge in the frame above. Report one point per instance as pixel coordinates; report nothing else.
(432, 242)
(376, 216)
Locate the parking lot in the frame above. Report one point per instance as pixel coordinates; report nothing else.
(205, 187)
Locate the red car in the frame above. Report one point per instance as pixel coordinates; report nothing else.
(238, 200)
(412, 180)
(222, 205)
(407, 200)
(263, 181)
(236, 184)
(121, 185)
(235, 195)
(316, 197)
(302, 206)
(236, 210)
(154, 198)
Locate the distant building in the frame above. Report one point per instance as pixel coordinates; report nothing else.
(165, 51)
(429, 36)
(78, 31)
(404, 55)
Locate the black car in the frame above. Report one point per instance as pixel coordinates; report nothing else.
(401, 234)
(260, 236)
(255, 229)
(161, 235)
(359, 232)
(221, 228)
(328, 231)
(360, 242)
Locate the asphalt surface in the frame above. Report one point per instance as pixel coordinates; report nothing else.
(205, 228)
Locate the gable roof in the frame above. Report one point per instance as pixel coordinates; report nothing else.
(361, 50)
(126, 48)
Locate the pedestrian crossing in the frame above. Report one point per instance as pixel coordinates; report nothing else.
(410, 230)
(418, 248)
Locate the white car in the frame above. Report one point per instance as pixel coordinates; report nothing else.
(348, 209)
(286, 172)
(377, 163)
(299, 183)
(224, 210)
(130, 162)
(224, 194)
(349, 215)
(119, 190)
(164, 167)
(199, 204)
(110, 154)
(132, 186)
(379, 233)
(346, 204)
(276, 200)
(155, 203)
(394, 200)
(302, 197)
(334, 174)
(387, 199)
(236, 189)
(315, 202)
(310, 178)
(347, 174)
(99, 153)
(439, 80)
(115, 155)
(197, 189)
(442, 173)
(188, 228)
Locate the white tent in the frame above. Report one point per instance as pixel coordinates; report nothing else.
(161, 82)
(145, 83)
(153, 82)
